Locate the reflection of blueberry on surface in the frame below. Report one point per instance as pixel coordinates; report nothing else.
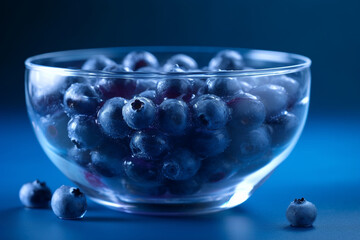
(301, 213)
(223, 87)
(111, 119)
(210, 112)
(226, 60)
(180, 165)
(184, 188)
(97, 63)
(81, 98)
(84, 132)
(185, 62)
(149, 144)
(35, 194)
(210, 143)
(143, 171)
(173, 117)
(68, 203)
(282, 128)
(139, 59)
(139, 113)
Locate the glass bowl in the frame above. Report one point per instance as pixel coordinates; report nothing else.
(167, 142)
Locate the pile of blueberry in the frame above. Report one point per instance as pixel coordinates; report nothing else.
(173, 134)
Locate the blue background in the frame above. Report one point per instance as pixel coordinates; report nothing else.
(324, 167)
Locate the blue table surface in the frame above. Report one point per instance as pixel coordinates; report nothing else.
(324, 168)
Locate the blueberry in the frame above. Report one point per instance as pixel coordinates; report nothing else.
(148, 69)
(273, 97)
(117, 87)
(144, 191)
(199, 86)
(111, 119)
(143, 171)
(245, 86)
(210, 143)
(108, 160)
(223, 87)
(184, 188)
(282, 128)
(116, 68)
(79, 156)
(35, 194)
(84, 132)
(210, 112)
(139, 59)
(185, 62)
(149, 144)
(175, 87)
(98, 62)
(291, 86)
(139, 113)
(248, 112)
(149, 94)
(54, 128)
(226, 60)
(81, 98)
(218, 168)
(68, 203)
(143, 85)
(301, 213)
(173, 117)
(181, 165)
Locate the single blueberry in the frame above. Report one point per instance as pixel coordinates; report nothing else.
(139, 59)
(117, 87)
(81, 98)
(210, 112)
(139, 113)
(282, 128)
(84, 132)
(181, 165)
(108, 159)
(79, 156)
(301, 213)
(173, 117)
(68, 203)
(184, 188)
(98, 62)
(185, 62)
(149, 144)
(273, 97)
(248, 112)
(149, 94)
(218, 168)
(35, 194)
(291, 86)
(143, 171)
(226, 60)
(111, 119)
(224, 87)
(209, 143)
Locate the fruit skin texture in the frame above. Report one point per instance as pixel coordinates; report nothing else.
(149, 144)
(282, 128)
(173, 117)
(209, 143)
(139, 113)
(142, 171)
(139, 59)
(301, 213)
(68, 203)
(224, 87)
(98, 62)
(35, 194)
(111, 119)
(174, 88)
(226, 60)
(185, 62)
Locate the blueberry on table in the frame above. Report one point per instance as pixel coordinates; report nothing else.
(108, 159)
(209, 143)
(181, 164)
(68, 203)
(273, 97)
(226, 60)
(35, 194)
(224, 87)
(291, 86)
(139, 59)
(218, 168)
(81, 98)
(282, 128)
(84, 132)
(111, 120)
(184, 187)
(210, 112)
(139, 113)
(142, 171)
(79, 156)
(301, 213)
(185, 62)
(149, 144)
(173, 117)
(98, 62)
(247, 112)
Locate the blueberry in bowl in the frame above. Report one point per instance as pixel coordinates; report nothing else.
(167, 130)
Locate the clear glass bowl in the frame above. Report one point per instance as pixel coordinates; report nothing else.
(226, 162)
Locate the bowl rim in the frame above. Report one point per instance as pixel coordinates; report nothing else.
(305, 62)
